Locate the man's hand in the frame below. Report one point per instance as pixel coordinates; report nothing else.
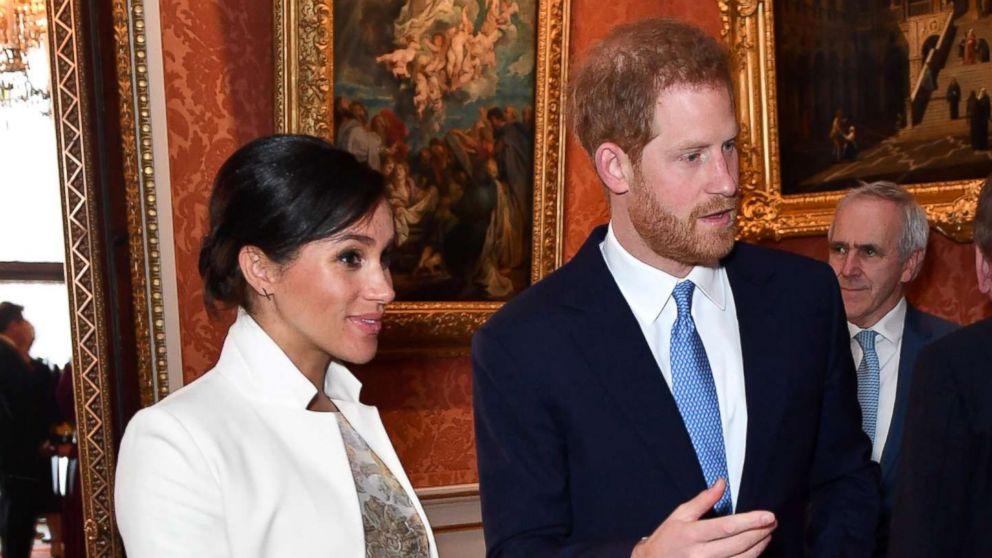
(683, 534)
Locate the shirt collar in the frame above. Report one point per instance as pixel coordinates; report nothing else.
(8, 340)
(648, 289)
(890, 327)
(266, 372)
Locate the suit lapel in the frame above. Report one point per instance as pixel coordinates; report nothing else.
(914, 337)
(765, 382)
(610, 340)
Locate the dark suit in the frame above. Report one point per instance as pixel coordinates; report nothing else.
(943, 495)
(582, 450)
(25, 413)
(11, 367)
(919, 330)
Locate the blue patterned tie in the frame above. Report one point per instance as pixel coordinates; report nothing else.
(695, 395)
(868, 372)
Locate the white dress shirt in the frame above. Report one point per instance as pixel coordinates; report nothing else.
(234, 465)
(648, 292)
(888, 345)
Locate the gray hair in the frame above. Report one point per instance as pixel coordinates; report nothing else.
(915, 228)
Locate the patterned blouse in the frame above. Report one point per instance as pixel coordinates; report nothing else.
(393, 528)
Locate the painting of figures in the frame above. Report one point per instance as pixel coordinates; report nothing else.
(438, 95)
(881, 90)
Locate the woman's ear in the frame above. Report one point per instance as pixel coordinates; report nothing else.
(614, 168)
(259, 271)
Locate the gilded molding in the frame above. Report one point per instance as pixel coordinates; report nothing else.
(304, 98)
(80, 202)
(550, 136)
(304, 66)
(747, 27)
(141, 195)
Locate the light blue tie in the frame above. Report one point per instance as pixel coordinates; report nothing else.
(868, 381)
(695, 395)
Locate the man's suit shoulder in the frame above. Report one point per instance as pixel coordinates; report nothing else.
(930, 324)
(967, 344)
(788, 264)
(956, 366)
(542, 301)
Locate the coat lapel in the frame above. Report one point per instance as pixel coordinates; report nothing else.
(914, 337)
(610, 340)
(765, 380)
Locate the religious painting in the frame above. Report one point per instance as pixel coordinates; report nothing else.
(458, 104)
(439, 97)
(835, 93)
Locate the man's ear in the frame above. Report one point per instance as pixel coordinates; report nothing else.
(983, 268)
(912, 267)
(614, 168)
(259, 271)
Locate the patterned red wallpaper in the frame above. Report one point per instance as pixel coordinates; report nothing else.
(218, 57)
(218, 94)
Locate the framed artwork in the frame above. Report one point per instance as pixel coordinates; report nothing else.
(50, 105)
(459, 103)
(831, 93)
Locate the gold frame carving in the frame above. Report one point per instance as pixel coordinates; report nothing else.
(72, 106)
(303, 98)
(748, 27)
(141, 194)
(87, 293)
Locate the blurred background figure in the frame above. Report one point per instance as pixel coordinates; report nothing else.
(28, 408)
(943, 493)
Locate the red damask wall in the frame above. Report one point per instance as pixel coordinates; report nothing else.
(218, 93)
(218, 59)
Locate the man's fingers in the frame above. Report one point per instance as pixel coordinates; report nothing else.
(740, 543)
(755, 550)
(702, 503)
(732, 525)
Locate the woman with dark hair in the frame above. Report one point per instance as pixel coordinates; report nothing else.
(271, 453)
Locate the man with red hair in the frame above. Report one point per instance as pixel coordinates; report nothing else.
(669, 392)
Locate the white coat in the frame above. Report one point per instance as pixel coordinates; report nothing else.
(233, 465)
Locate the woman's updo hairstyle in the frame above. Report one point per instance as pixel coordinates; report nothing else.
(279, 193)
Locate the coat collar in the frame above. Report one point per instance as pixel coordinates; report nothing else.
(262, 371)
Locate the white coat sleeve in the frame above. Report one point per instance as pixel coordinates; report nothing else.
(168, 502)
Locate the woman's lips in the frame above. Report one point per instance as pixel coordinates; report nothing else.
(369, 323)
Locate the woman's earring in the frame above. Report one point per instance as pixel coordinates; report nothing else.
(266, 294)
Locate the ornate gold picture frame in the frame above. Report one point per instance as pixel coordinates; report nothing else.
(71, 25)
(84, 281)
(304, 98)
(748, 27)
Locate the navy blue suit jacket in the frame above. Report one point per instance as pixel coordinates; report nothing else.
(581, 447)
(943, 496)
(919, 330)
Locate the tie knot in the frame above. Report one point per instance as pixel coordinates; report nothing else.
(866, 338)
(683, 297)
